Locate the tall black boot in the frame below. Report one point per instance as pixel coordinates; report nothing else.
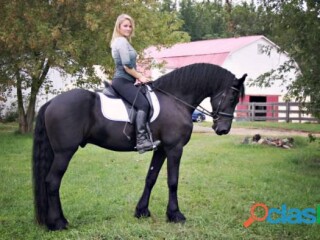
(143, 141)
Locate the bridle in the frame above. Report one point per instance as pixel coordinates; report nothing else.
(217, 114)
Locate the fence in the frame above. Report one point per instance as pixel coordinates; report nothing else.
(275, 111)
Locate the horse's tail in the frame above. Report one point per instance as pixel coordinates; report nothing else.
(42, 161)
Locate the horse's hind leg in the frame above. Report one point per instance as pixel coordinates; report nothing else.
(55, 218)
(154, 169)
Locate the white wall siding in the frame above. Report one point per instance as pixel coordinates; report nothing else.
(249, 60)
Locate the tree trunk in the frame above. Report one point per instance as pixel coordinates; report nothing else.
(36, 85)
(230, 21)
(26, 119)
(22, 116)
(31, 114)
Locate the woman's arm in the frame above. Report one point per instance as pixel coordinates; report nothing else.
(139, 76)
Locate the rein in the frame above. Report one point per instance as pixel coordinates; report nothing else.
(215, 115)
(202, 109)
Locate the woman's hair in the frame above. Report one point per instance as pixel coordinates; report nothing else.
(116, 32)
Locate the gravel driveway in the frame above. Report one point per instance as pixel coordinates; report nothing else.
(251, 132)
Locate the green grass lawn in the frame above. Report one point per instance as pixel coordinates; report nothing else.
(220, 180)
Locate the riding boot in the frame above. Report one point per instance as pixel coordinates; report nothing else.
(143, 141)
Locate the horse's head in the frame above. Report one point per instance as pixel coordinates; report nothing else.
(224, 104)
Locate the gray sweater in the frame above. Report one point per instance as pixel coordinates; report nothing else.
(124, 55)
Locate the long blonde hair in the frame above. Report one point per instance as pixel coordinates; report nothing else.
(116, 31)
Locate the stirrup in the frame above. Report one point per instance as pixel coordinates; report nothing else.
(153, 147)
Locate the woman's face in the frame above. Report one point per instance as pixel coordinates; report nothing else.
(125, 28)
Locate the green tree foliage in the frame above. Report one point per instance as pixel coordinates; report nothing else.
(70, 36)
(169, 5)
(203, 20)
(295, 27)
(215, 19)
(249, 19)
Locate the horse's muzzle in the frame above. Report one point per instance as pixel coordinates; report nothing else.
(221, 128)
(222, 131)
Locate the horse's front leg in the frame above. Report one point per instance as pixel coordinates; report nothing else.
(157, 161)
(173, 211)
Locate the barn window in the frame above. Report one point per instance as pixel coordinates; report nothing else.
(260, 48)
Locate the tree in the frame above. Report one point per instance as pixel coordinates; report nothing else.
(249, 19)
(220, 19)
(203, 20)
(295, 27)
(168, 5)
(70, 36)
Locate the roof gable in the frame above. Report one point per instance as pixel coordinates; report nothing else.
(205, 47)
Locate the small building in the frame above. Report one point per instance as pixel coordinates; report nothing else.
(254, 55)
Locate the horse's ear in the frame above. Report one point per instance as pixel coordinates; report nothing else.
(243, 78)
(240, 81)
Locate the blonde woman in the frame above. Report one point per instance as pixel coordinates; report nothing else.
(126, 76)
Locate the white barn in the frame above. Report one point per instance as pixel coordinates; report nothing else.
(239, 55)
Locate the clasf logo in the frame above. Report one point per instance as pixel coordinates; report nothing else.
(283, 215)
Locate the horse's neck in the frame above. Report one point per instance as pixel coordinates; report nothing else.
(193, 94)
(195, 87)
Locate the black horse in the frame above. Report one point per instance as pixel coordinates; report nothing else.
(74, 119)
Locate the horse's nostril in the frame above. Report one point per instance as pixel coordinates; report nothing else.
(221, 131)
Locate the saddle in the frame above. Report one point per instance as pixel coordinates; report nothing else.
(115, 108)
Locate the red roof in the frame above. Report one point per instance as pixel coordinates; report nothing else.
(210, 51)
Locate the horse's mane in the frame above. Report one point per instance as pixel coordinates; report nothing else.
(196, 77)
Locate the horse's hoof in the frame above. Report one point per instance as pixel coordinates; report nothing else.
(140, 213)
(176, 217)
(61, 224)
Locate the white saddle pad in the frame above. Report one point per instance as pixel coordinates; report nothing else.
(114, 108)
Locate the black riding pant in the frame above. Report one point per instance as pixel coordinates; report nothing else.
(131, 93)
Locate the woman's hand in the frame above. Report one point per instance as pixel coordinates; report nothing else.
(143, 79)
(139, 76)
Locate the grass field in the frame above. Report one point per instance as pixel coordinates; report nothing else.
(220, 180)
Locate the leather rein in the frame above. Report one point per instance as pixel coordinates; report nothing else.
(216, 114)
